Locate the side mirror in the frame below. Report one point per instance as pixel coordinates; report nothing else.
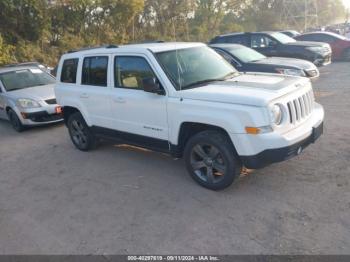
(151, 85)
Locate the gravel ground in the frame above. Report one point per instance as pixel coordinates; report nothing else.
(55, 199)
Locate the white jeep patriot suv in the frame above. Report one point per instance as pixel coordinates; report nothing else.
(186, 100)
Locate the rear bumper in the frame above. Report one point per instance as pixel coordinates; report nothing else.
(271, 156)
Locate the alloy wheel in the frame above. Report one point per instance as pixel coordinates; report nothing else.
(78, 133)
(207, 163)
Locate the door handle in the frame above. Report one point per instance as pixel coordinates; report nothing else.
(119, 100)
(84, 95)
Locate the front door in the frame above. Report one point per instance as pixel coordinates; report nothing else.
(135, 111)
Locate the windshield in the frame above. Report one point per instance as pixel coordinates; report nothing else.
(21, 79)
(282, 38)
(245, 54)
(191, 66)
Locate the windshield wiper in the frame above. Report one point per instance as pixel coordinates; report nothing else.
(202, 82)
(226, 77)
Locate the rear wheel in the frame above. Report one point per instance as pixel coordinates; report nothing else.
(80, 133)
(211, 160)
(15, 121)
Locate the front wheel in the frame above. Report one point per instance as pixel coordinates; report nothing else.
(211, 160)
(80, 133)
(15, 121)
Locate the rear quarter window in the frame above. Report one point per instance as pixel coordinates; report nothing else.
(69, 71)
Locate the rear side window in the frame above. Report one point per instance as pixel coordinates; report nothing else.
(218, 40)
(238, 39)
(95, 71)
(307, 38)
(69, 71)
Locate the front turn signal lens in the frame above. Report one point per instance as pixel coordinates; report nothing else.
(58, 110)
(252, 130)
(258, 130)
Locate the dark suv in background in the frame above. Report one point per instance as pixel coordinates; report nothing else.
(278, 44)
(340, 45)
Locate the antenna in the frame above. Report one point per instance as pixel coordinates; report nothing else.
(300, 14)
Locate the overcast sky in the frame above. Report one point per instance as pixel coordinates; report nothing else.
(346, 3)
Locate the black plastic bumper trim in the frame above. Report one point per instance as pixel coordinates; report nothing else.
(271, 156)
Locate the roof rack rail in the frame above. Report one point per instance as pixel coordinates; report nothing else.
(91, 48)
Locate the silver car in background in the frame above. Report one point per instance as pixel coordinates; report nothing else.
(27, 97)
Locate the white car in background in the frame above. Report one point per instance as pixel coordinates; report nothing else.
(27, 97)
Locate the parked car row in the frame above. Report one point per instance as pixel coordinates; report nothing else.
(280, 45)
(185, 99)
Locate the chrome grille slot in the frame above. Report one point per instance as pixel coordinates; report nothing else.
(300, 107)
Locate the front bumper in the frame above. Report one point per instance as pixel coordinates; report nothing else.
(261, 150)
(270, 156)
(322, 59)
(40, 116)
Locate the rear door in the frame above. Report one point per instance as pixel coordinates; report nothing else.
(95, 89)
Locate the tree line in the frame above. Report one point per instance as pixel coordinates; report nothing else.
(41, 30)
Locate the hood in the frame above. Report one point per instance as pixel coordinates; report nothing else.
(247, 89)
(286, 62)
(307, 44)
(37, 93)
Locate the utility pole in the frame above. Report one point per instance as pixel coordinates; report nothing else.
(299, 14)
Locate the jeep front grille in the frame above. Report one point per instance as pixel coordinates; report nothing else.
(301, 107)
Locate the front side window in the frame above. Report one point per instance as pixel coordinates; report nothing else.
(21, 79)
(129, 72)
(262, 41)
(69, 71)
(95, 71)
(190, 67)
(282, 38)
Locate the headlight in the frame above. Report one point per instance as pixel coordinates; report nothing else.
(27, 103)
(276, 113)
(292, 72)
(317, 49)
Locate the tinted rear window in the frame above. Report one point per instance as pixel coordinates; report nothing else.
(95, 71)
(69, 71)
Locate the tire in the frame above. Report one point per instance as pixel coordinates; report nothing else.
(15, 121)
(80, 133)
(211, 160)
